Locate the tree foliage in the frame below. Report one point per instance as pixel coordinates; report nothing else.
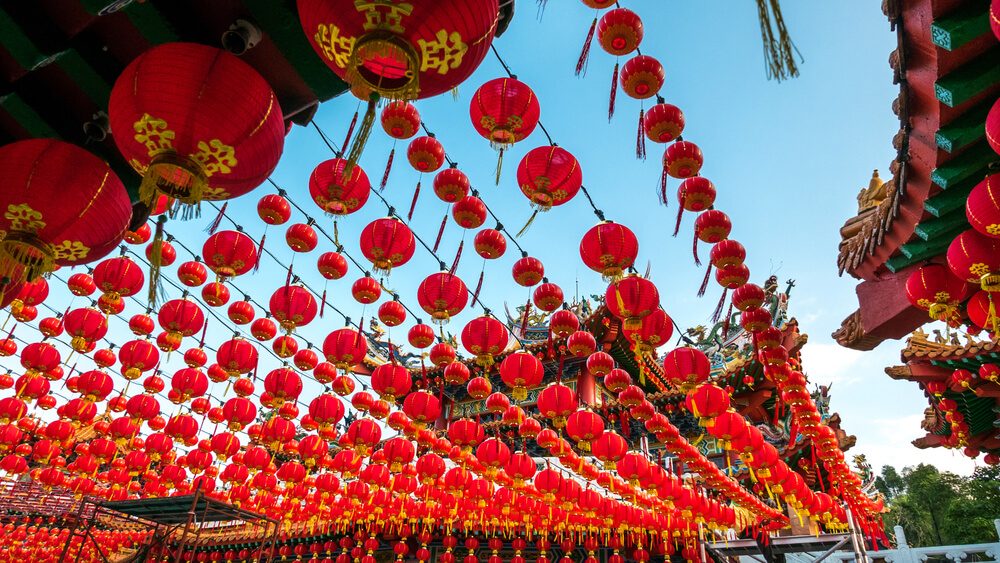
(941, 508)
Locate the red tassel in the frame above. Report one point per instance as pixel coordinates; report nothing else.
(717, 314)
(350, 130)
(581, 63)
(479, 286)
(694, 250)
(680, 214)
(626, 427)
(614, 93)
(204, 331)
(322, 304)
(260, 252)
(413, 203)
(524, 319)
(437, 241)
(663, 187)
(458, 256)
(704, 282)
(640, 137)
(729, 317)
(214, 226)
(288, 277)
(388, 167)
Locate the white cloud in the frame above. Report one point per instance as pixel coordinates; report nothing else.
(827, 363)
(886, 441)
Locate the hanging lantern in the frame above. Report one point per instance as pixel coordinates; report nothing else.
(563, 323)
(241, 312)
(274, 209)
(654, 331)
(641, 77)
(400, 52)
(136, 357)
(193, 140)
(557, 402)
(339, 188)
(469, 212)
(982, 311)
(686, 367)
(229, 253)
(528, 271)
(422, 407)
(442, 296)
(581, 343)
(420, 335)
(631, 299)
(484, 337)
(42, 228)
(451, 185)
(490, 244)
(609, 249)
(712, 226)
(426, 154)
(663, 123)
(84, 326)
(237, 356)
(548, 297)
(682, 159)
(332, 265)
(619, 31)
(748, 296)
(391, 381)
(366, 290)
(441, 354)
(301, 237)
(549, 176)
(345, 348)
(993, 117)
(117, 278)
(392, 313)
(584, 426)
(933, 288)
(192, 274)
(982, 207)
(975, 258)
(292, 306)
(521, 371)
(400, 119)
(504, 111)
(707, 402)
(387, 242)
(81, 285)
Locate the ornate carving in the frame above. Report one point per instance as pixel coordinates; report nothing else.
(872, 195)
(850, 331)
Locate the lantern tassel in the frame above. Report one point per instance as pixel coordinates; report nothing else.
(614, 93)
(288, 276)
(694, 250)
(155, 262)
(727, 320)
(524, 318)
(524, 229)
(437, 241)
(260, 252)
(704, 282)
(717, 314)
(388, 168)
(499, 164)
(322, 304)
(350, 129)
(779, 50)
(458, 256)
(363, 133)
(640, 137)
(214, 225)
(413, 203)
(663, 187)
(680, 215)
(581, 63)
(479, 286)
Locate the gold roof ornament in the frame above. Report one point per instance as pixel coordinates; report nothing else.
(873, 195)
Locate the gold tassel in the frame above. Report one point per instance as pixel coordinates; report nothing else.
(156, 261)
(363, 133)
(779, 50)
(524, 229)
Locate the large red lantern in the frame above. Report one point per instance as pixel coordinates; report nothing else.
(584, 426)
(400, 51)
(293, 306)
(557, 402)
(504, 111)
(42, 227)
(549, 176)
(935, 289)
(442, 295)
(283, 384)
(610, 447)
(339, 188)
(118, 277)
(686, 367)
(521, 371)
(982, 208)
(631, 299)
(975, 257)
(387, 242)
(484, 337)
(229, 253)
(609, 249)
(391, 381)
(345, 348)
(179, 125)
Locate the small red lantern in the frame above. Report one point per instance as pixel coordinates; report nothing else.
(345, 348)
(469, 212)
(654, 331)
(933, 288)
(609, 249)
(975, 257)
(339, 188)
(441, 354)
(490, 244)
(484, 337)
(332, 265)
(274, 209)
(528, 271)
(663, 123)
(301, 237)
(192, 274)
(549, 176)
(400, 119)
(456, 373)
(387, 242)
(548, 297)
(557, 402)
(442, 295)
(686, 367)
(748, 296)
(392, 313)
(631, 299)
(81, 284)
(426, 154)
(366, 290)
(619, 31)
(292, 306)
(563, 323)
(451, 185)
(229, 253)
(420, 336)
(641, 77)
(391, 381)
(584, 426)
(504, 111)
(581, 343)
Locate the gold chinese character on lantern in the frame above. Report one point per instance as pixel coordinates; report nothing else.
(384, 14)
(442, 54)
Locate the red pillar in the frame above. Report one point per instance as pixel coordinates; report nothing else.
(586, 386)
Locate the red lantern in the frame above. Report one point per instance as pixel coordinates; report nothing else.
(609, 249)
(345, 348)
(229, 253)
(712, 226)
(682, 159)
(241, 312)
(192, 274)
(422, 407)
(982, 311)
(263, 329)
(479, 387)
(332, 265)
(557, 402)
(85, 326)
(748, 296)
(600, 363)
(387, 242)
(426, 154)
(521, 371)
(451, 185)
(43, 228)
(610, 447)
(189, 383)
(631, 299)
(237, 356)
(326, 410)
(469, 212)
(563, 323)
(528, 271)
(707, 402)
(366, 290)
(441, 354)
(933, 288)
(490, 244)
(392, 313)
(400, 119)
(137, 357)
(548, 297)
(686, 367)
(654, 331)
(442, 296)
(584, 426)
(484, 337)
(975, 258)
(580, 343)
(420, 336)
(391, 381)
(663, 123)
(993, 117)
(339, 188)
(504, 111)
(292, 306)
(193, 140)
(982, 208)
(301, 237)
(619, 31)
(81, 284)
(549, 176)
(456, 373)
(641, 77)
(274, 209)
(118, 277)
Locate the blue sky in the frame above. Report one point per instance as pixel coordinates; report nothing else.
(788, 160)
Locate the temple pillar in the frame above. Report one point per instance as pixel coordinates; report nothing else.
(586, 387)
